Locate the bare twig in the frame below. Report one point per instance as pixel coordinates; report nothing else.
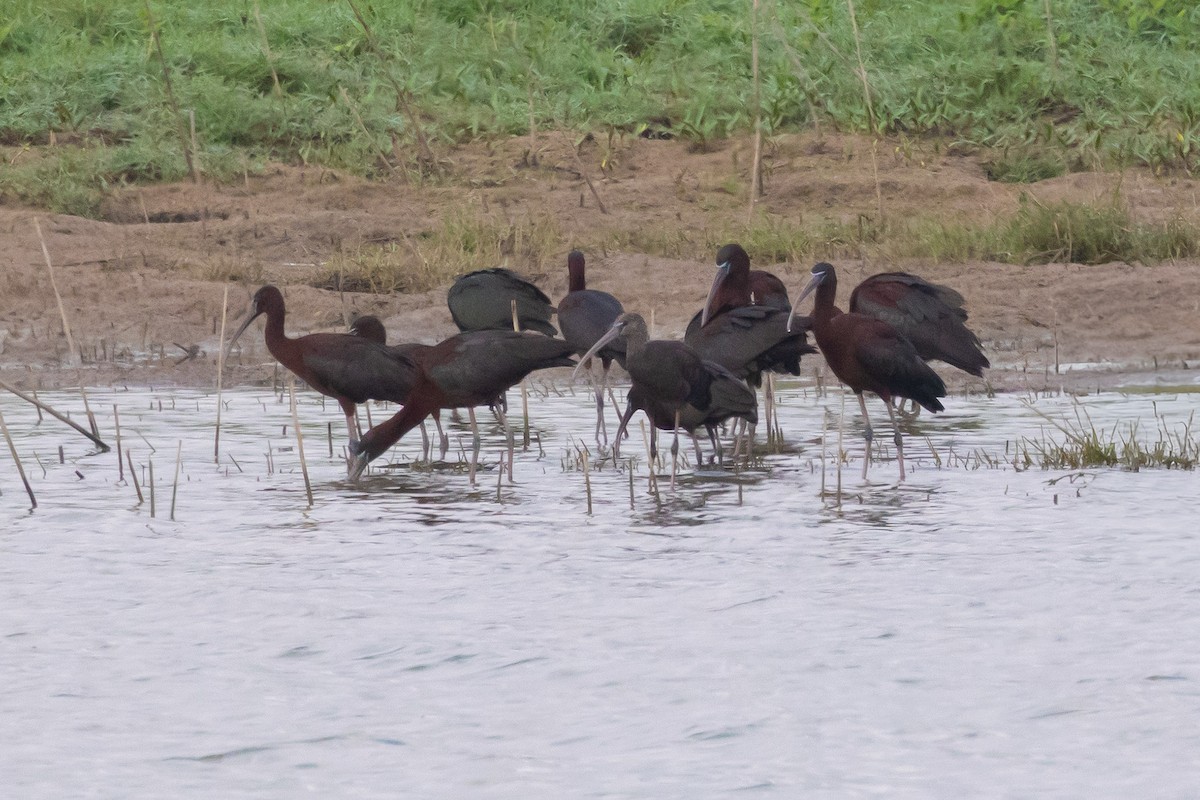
(162, 60)
(95, 439)
(62, 311)
(12, 448)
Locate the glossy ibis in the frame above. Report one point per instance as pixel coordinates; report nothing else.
(736, 285)
(371, 327)
(868, 354)
(585, 315)
(350, 369)
(929, 315)
(467, 370)
(483, 300)
(668, 374)
(731, 398)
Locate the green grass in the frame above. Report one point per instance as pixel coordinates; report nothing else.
(1078, 444)
(1117, 82)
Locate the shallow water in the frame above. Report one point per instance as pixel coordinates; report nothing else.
(980, 631)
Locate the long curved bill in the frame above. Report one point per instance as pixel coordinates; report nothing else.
(809, 289)
(718, 279)
(251, 315)
(609, 335)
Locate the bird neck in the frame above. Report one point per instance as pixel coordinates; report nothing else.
(278, 344)
(577, 281)
(824, 309)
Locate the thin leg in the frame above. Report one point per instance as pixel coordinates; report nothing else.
(868, 433)
(426, 450)
(443, 439)
(699, 455)
(628, 415)
(508, 435)
(352, 427)
(899, 441)
(718, 449)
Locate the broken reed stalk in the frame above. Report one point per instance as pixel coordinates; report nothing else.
(221, 361)
(383, 155)
(12, 448)
(162, 61)
(150, 480)
(104, 448)
(862, 74)
(756, 189)
(524, 389)
(137, 487)
(120, 463)
(587, 477)
(262, 32)
(587, 179)
(300, 441)
(57, 297)
(403, 96)
(175, 483)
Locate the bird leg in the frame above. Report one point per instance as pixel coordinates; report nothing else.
(868, 433)
(696, 445)
(628, 415)
(899, 441)
(508, 435)
(718, 448)
(443, 437)
(426, 450)
(598, 388)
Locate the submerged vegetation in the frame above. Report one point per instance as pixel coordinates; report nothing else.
(1082, 445)
(374, 88)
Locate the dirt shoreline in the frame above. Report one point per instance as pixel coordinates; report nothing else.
(138, 294)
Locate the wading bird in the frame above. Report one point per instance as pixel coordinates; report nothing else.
(669, 375)
(483, 301)
(467, 370)
(585, 315)
(745, 338)
(869, 355)
(730, 398)
(350, 369)
(371, 327)
(929, 315)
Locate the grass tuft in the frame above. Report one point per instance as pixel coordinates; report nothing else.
(1084, 446)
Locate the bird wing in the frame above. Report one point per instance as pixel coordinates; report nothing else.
(750, 340)
(930, 315)
(585, 316)
(360, 369)
(892, 362)
(476, 367)
(482, 300)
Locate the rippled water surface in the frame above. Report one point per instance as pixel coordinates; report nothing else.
(981, 631)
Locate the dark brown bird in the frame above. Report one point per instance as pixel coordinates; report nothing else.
(745, 339)
(731, 398)
(371, 327)
(869, 355)
(929, 315)
(669, 375)
(585, 315)
(482, 301)
(736, 285)
(350, 369)
(467, 370)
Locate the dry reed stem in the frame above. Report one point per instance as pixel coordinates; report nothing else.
(175, 483)
(62, 311)
(262, 32)
(587, 179)
(162, 60)
(133, 474)
(756, 188)
(104, 448)
(12, 448)
(150, 467)
(221, 363)
(299, 440)
(120, 463)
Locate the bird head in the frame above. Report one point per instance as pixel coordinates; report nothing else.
(820, 273)
(730, 258)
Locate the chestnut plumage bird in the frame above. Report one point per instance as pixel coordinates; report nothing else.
(869, 355)
(668, 374)
(730, 398)
(746, 339)
(585, 315)
(467, 370)
(482, 301)
(350, 369)
(930, 315)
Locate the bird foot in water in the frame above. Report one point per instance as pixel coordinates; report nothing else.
(357, 462)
